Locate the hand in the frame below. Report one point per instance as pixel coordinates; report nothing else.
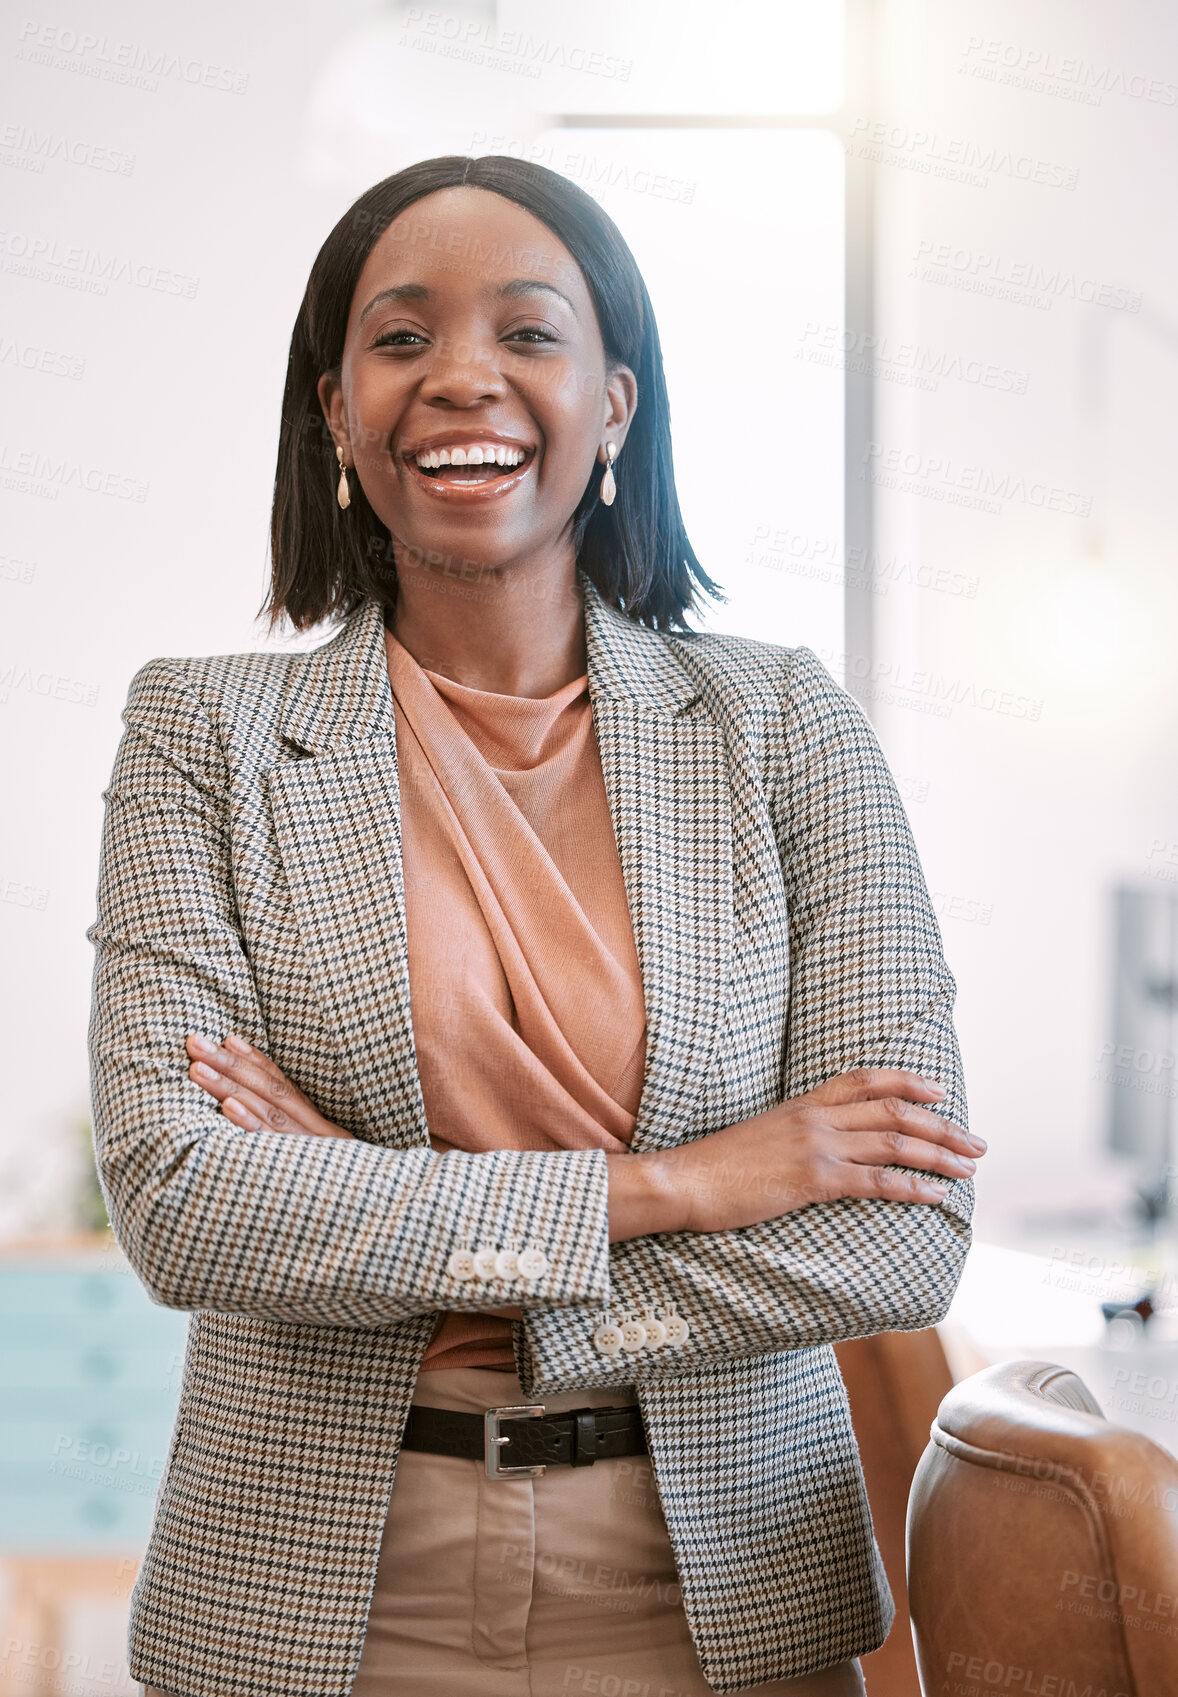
(254, 1093)
(829, 1143)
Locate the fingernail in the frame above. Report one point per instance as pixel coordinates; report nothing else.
(204, 1073)
(201, 1044)
(937, 1089)
(232, 1102)
(978, 1142)
(237, 1044)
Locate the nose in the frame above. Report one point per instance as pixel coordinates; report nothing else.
(462, 372)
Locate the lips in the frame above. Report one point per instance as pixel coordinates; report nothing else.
(468, 482)
(484, 473)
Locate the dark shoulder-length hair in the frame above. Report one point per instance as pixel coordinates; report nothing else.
(325, 561)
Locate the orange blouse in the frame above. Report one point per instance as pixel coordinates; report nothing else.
(528, 1014)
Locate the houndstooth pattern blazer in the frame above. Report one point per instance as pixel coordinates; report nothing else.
(251, 880)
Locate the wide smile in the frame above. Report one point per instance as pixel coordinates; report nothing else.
(454, 478)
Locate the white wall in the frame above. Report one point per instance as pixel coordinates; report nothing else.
(1050, 634)
(237, 135)
(169, 177)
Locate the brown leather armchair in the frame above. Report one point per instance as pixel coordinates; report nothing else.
(1042, 1545)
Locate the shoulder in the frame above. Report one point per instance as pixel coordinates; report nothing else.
(785, 712)
(786, 680)
(214, 692)
(230, 708)
(250, 683)
(210, 679)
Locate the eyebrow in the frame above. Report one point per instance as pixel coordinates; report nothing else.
(419, 292)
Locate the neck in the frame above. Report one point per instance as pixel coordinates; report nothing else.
(515, 631)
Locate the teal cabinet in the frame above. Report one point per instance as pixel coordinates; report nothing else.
(89, 1382)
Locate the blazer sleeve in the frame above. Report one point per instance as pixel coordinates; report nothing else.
(285, 1227)
(869, 988)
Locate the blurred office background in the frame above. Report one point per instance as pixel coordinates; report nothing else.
(915, 276)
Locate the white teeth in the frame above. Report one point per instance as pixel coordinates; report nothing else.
(490, 453)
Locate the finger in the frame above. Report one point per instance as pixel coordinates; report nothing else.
(273, 1115)
(252, 1114)
(886, 1185)
(253, 1117)
(252, 1071)
(259, 1062)
(236, 1058)
(233, 1110)
(864, 1084)
(262, 1114)
(894, 1113)
(884, 1147)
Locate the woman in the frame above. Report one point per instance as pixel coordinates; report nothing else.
(518, 1002)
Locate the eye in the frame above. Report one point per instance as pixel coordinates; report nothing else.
(390, 338)
(535, 330)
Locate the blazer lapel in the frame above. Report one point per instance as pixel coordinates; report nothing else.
(665, 764)
(337, 819)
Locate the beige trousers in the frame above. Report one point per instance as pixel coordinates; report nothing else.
(558, 1586)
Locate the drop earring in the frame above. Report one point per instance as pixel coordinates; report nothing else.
(342, 493)
(609, 487)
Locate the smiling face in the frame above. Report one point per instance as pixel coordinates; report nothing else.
(474, 395)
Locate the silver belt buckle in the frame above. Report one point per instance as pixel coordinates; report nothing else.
(493, 1440)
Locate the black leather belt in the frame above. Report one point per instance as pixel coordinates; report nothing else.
(522, 1440)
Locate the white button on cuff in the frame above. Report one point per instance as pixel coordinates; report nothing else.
(678, 1331)
(633, 1336)
(484, 1263)
(656, 1332)
(533, 1263)
(507, 1264)
(461, 1265)
(608, 1338)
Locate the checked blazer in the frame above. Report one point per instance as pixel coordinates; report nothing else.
(251, 880)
